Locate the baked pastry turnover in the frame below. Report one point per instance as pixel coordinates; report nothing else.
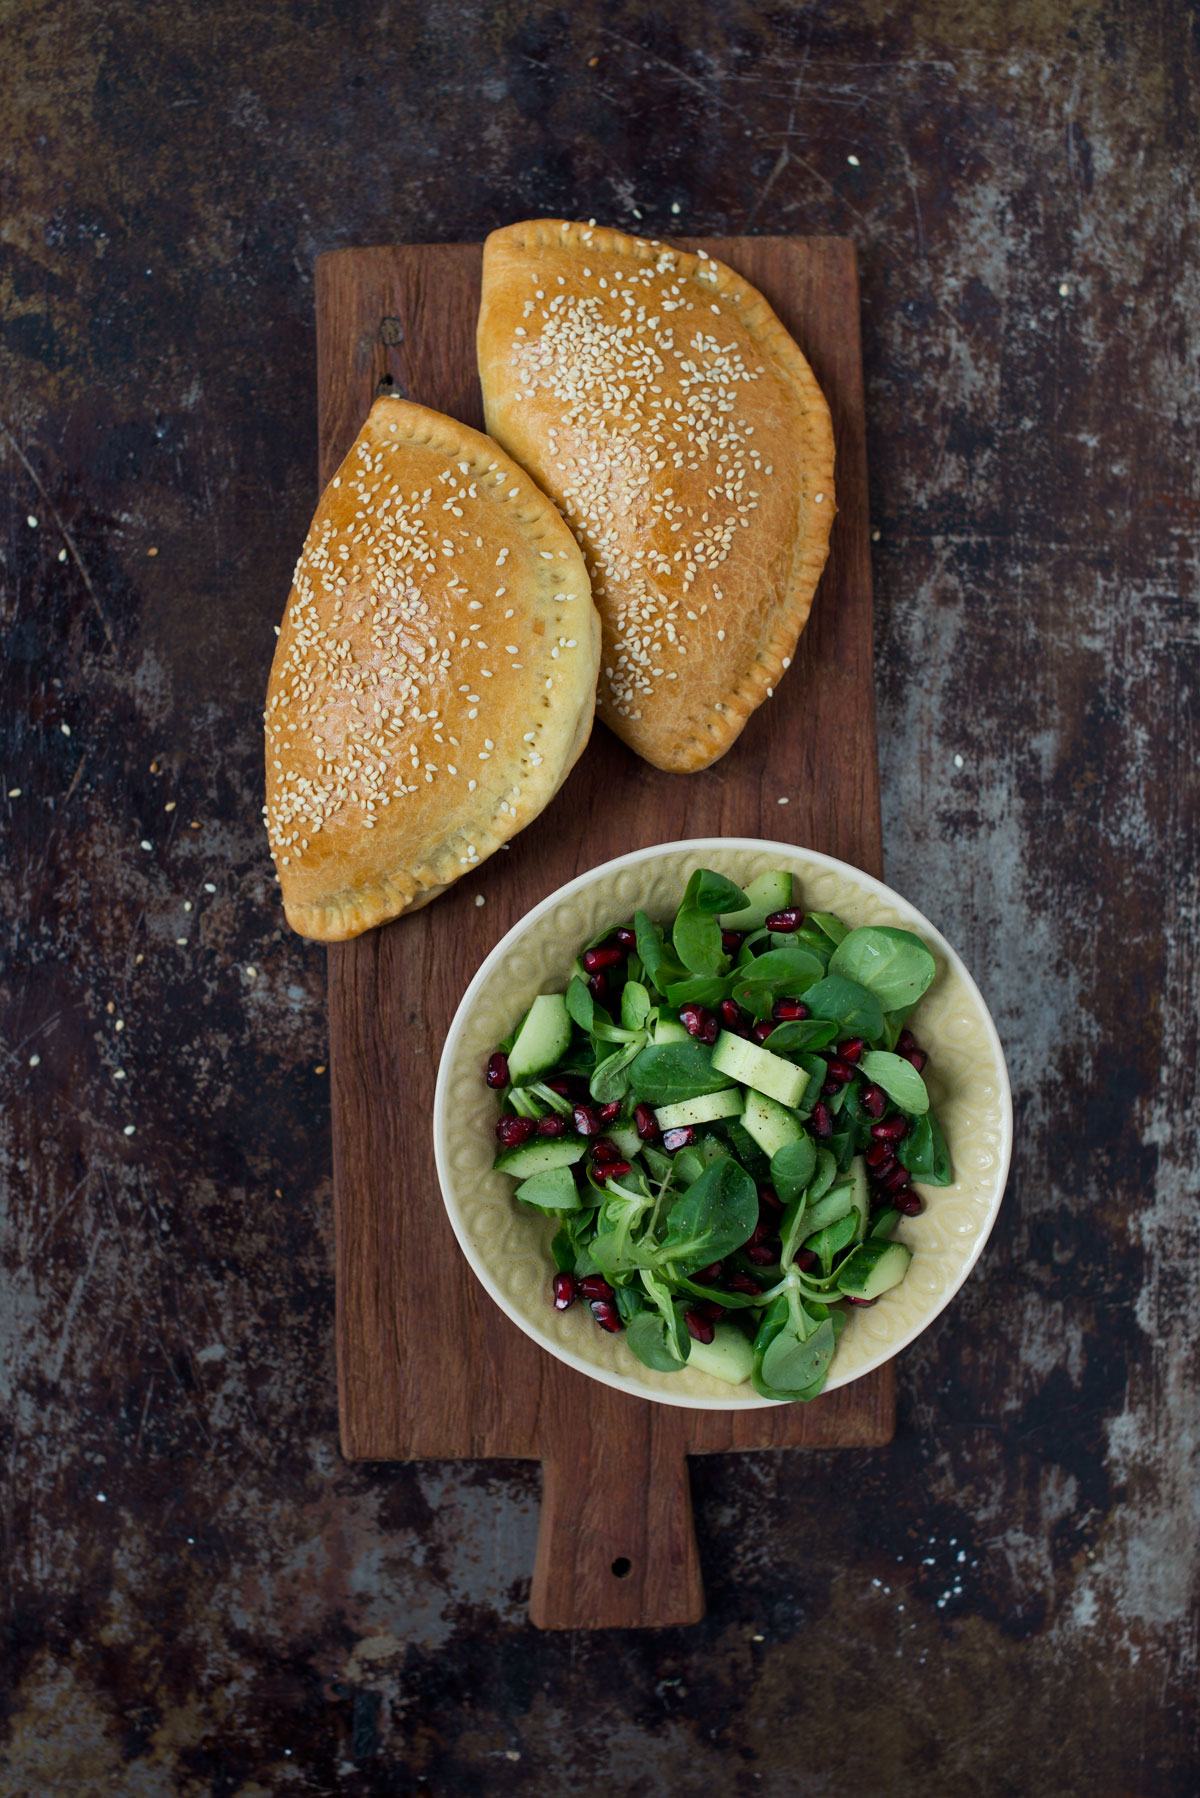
(655, 396)
(434, 680)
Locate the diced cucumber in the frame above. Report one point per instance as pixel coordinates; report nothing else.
(729, 1356)
(626, 1138)
(837, 1204)
(885, 1223)
(861, 1195)
(544, 1036)
(766, 1073)
(874, 1268)
(555, 1190)
(670, 1030)
(771, 1125)
(704, 1110)
(770, 892)
(540, 1155)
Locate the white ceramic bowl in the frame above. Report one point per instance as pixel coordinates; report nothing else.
(509, 1250)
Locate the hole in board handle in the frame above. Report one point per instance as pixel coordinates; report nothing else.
(622, 1567)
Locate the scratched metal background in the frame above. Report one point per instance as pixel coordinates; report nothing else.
(200, 1597)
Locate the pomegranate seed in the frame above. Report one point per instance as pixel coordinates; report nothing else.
(512, 1131)
(769, 1200)
(611, 1170)
(785, 921)
(552, 1126)
(909, 1202)
(497, 1069)
(709, 1310)
(682, 1138)
(565, 1289)
(733, 1017)
(905, 1041)
(821, 1120)
(699, 1022)
(596, 960)
(604, 1149)
(611, 1112)
(626, 937)
(763, 1229)
(851, 1051)
(807, 1261)
(708, 1276)
(877, 1153)
(645, 1122)
(762, 1031)
(740, 1282)
(851, 1300)
(789, 1011)
(918, 1058)
(699, 1328)
(731, 941)
(587, 1120)
(763, 1254)
(595, 1286)
(597, 986)
(562, 1086)
(606, 1315)
(882, 1170)
(873, 1100)
(837, 1073)
(893, 1129)
(897, 1180)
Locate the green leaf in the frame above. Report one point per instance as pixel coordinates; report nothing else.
(854, 1007)
(610, 1079)
(713, 893)
(898, 1078)
(792, 1167)
(635, 1005)
(716, 1215)
(551, 1191)
(802, 1034)
(832, 927)
(924, 1153)
(829, 1242)
(793, 1365)
(698, 989)
(580, 1004)
(696, 934)
(648, 1338)
(666, 1072)
(662, 965)
(789, 970)
(894, 964)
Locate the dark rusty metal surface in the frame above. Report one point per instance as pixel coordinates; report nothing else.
(199, 1596)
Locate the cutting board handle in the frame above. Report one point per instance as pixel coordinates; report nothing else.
(616, 1546)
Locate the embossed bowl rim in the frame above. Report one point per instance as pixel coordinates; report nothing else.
(710, 1394)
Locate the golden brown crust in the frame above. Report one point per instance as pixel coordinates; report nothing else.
(434, 680)
(655, 396)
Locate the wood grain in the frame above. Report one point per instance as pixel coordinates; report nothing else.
(427, 1365)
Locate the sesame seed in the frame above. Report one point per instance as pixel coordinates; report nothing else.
(35, 1061)
(130, 1130)
(32, 522)
(14, 792)
(782, 801)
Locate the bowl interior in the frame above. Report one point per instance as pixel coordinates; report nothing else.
(509, 1250)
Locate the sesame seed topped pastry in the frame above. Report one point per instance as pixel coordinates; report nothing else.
(655, 396)
(434, 680)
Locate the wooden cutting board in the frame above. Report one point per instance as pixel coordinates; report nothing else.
(428, 1367)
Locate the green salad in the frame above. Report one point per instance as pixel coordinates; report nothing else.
(726, 1117)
